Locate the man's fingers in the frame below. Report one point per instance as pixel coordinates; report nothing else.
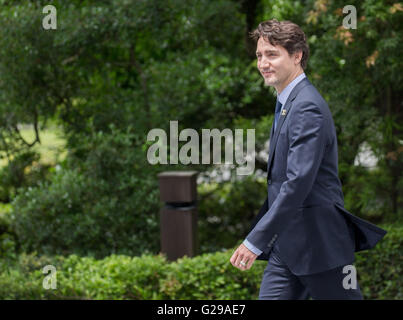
(234, 257)
(249, 264)
(244, 260)
(247, 258)
(245, 265)
(238, 260)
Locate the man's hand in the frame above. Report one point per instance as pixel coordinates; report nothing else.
(245, 255)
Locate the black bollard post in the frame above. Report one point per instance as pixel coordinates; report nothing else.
(178, 218)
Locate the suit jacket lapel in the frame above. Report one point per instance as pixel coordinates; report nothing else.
(270, 144)
(286, 109)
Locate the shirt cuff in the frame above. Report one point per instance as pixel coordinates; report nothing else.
(252, 248)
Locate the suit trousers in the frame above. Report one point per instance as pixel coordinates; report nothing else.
(279, 283)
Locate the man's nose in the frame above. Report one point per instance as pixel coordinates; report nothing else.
(264, 63)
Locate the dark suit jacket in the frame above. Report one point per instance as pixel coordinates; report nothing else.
(304, 214)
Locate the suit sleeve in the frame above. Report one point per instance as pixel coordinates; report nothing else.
(307, 138)
(252, 248)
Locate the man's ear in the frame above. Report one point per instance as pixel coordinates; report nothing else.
(298, 57)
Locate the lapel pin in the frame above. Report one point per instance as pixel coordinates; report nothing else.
(283, 112)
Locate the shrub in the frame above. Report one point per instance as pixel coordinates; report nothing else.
(368, 194)
(22, 171)
(8, 247)
(104, 202)
(380, 270)
(208, 276)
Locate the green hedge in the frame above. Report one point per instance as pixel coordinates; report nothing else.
(380, 270)
(208, 276)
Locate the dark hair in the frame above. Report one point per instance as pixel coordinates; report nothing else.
(286, 34)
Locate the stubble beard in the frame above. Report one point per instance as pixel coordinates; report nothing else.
(270, 82)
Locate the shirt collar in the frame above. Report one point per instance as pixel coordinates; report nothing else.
(283, 96)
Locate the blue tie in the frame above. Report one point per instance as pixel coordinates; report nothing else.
(277, 113)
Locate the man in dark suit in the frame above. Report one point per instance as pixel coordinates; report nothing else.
(302, 229)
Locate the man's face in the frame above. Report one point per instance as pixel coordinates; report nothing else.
(276, 66)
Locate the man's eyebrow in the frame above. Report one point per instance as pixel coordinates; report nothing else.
(267, 51)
